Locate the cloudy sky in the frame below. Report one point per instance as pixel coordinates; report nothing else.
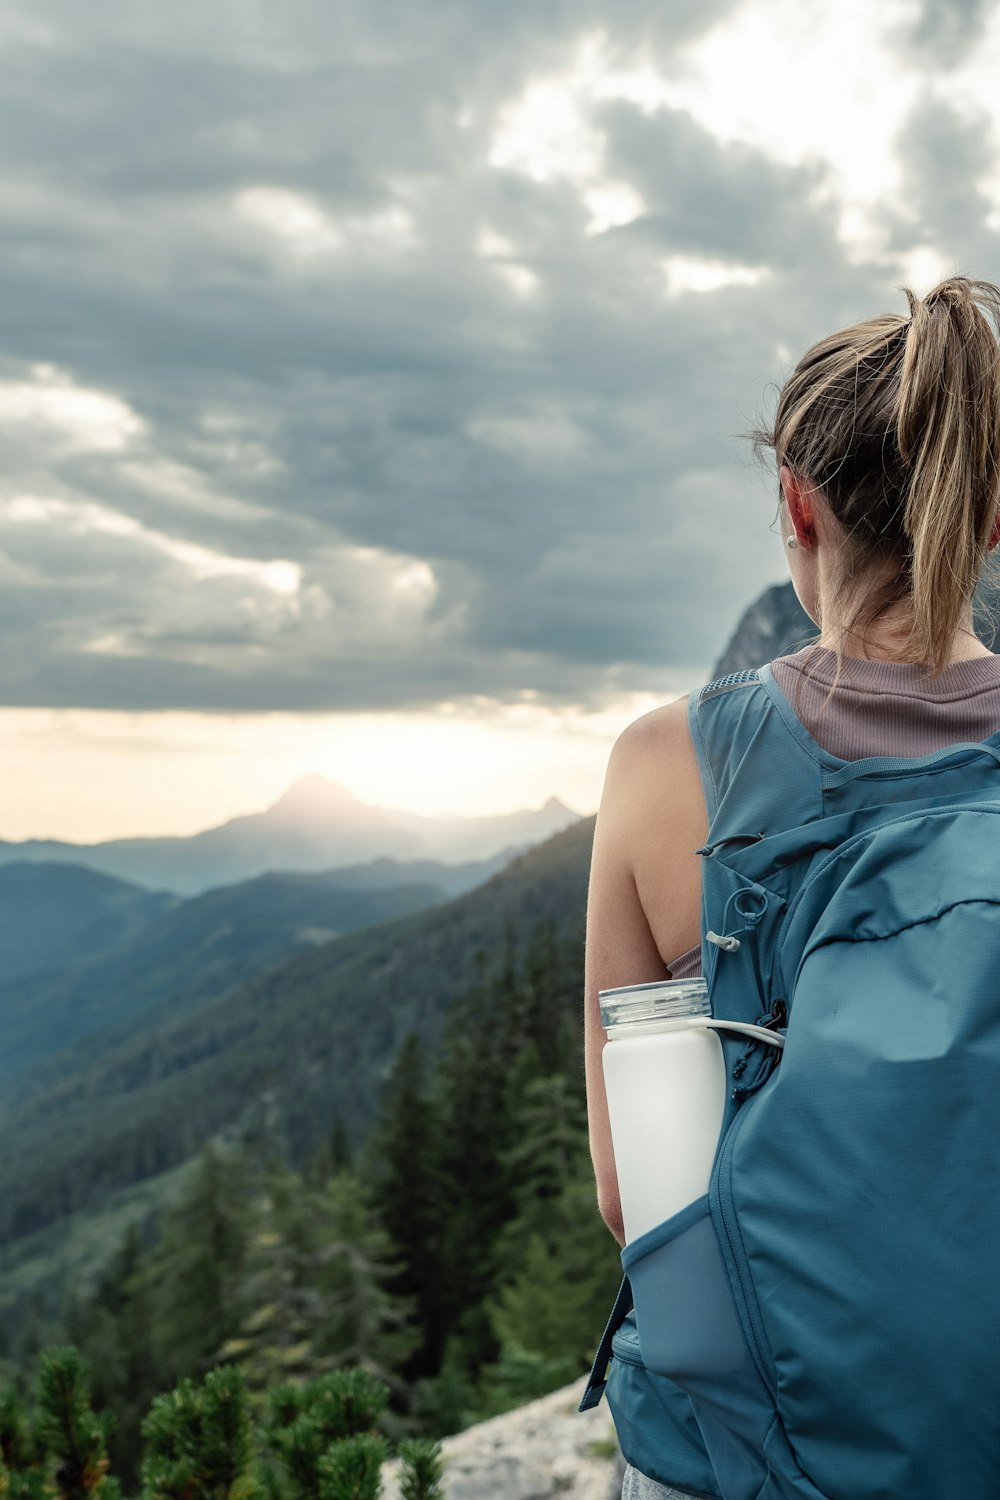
(373, 375)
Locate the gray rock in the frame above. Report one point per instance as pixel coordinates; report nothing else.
(773, 625)
(776, 624)
(543, 1450)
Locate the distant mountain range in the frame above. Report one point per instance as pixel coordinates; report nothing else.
(312, 1035)
(139, 1025)
(82, 953)
(316, 826)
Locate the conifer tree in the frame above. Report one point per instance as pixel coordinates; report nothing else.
(19, 1448)
(31, 1484)
(351, 1469)
(196, 1268)
(199, 1441)
(563, 1282)
(314, 1287)
(22, 1456)
(423, 1470)
(363, 1322)
(114, 1333)
(552, 984)
(403, 1167)
(308, 1422)
(280, 1301)
(69, 1429)
(548, 1150)
(476, 1130)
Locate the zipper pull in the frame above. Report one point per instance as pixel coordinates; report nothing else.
(771, 1020)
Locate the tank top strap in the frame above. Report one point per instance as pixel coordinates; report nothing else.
(757, 775)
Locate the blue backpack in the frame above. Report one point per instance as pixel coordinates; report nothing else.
(825, 1323)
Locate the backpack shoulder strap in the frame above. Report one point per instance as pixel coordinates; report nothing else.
(757, 773)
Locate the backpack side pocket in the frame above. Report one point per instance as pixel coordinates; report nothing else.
(686, 1321)
(689, 1331)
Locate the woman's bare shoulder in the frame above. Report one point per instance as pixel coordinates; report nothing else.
(651, 822)
(655, 745)
(652, 728)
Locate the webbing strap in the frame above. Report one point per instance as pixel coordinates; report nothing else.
(599, 1371)
(889, 765)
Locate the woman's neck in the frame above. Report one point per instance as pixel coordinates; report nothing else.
(888, 639)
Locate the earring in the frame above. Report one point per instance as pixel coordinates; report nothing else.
(791, 542)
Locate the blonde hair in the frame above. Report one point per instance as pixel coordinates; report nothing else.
(897, 421)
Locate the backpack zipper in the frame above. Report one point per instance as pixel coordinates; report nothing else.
(771, 1020)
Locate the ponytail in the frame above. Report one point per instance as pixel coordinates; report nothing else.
(897, 421)
(948, 433)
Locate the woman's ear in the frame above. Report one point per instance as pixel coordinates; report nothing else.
(799, 497)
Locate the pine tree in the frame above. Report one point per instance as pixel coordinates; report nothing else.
(315, 1284)
(19, 1448)
(549, 1149)
(334, 1155)
(114, 1332)
(562, 1283)
(308, 1422)
(422, 1470)
(403, 1168)
(194, 1271)
(476, 1130)
(69, 1428)
(199, 1441)
(31, 1484)
(363, 1323)
(277, 1294)
(351, 1469)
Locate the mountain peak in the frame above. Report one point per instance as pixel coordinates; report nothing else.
(555, 805)
(316, 795)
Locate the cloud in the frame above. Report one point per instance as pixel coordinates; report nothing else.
(385, 357)
(50, 408)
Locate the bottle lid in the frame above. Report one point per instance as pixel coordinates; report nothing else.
(663, 1000)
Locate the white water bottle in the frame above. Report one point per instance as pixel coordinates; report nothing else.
(666, 1083)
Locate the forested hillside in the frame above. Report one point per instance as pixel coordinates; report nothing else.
(316, 1036)
(172, 956)
(454, 1247)
(55, 915)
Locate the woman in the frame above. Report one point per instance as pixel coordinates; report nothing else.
(887, 443)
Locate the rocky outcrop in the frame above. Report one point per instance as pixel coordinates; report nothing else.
(773, 625)
(545, 1449)
(776, 624)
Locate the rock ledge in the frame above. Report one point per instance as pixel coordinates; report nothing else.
(541, 1450)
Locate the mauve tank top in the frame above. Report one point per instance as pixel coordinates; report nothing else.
(881, 708)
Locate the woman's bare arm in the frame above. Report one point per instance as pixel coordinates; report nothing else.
(644, 901)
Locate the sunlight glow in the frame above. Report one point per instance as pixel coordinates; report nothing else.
(177, 773)
(307, 230)
(820, 84)
(923, 267)
(502, 255)
(685, 274)
(293, 217)
(611, 205)
(86, 419)
(88, 517)
(971, 91)
(815, 83)
(546, 133)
